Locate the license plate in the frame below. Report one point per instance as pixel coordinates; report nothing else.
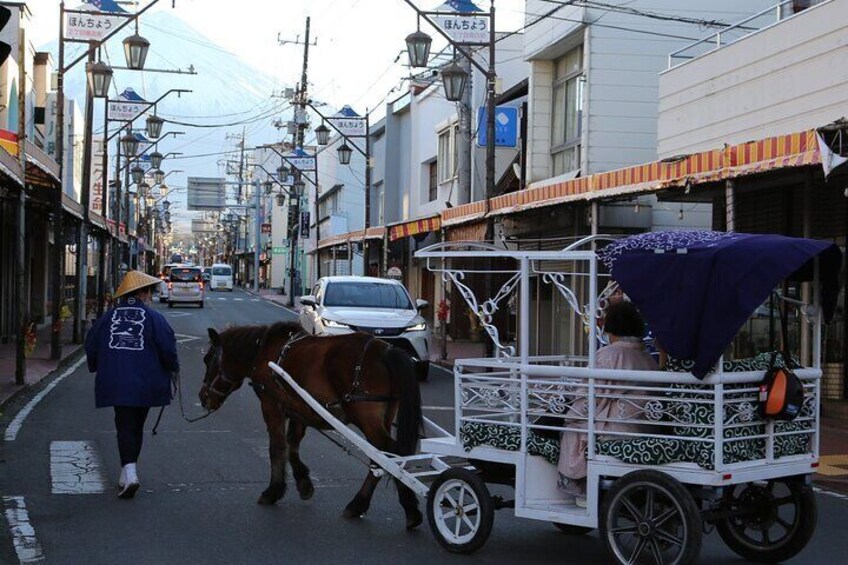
(222, 284)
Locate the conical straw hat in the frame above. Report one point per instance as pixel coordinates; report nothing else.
(135, 280)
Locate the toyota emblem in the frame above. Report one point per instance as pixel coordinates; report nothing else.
(379, 331)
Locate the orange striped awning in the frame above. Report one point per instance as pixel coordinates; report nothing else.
(770, 154)
(415, 227)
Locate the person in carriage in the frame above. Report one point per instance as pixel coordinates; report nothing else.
(625, 329)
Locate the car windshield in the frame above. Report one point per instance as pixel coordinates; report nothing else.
(222, 271)
(366, 295)
(185, 275)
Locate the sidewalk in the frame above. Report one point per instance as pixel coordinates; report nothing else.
(38, 365)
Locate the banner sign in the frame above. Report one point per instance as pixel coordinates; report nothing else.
(463, 21)
(89, 23)
(127, 107)
(95, 194)
(301, 160)
(506, 126)
(348, 122)
(205, 193)
(304, 224)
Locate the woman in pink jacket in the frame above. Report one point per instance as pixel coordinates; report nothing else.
(625, 328)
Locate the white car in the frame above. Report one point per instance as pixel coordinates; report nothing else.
(382, 307)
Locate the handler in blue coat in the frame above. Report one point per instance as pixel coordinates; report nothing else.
(134, 352)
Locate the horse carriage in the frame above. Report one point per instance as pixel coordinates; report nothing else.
(703, 455)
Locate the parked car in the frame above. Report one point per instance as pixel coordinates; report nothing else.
(207, 275)
(381, 307)
(165, 277)
(186, 285)
(222, 277)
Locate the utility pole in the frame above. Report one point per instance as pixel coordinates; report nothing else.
(20, 260)
(463, 165)
(257, 229)
(300, 120)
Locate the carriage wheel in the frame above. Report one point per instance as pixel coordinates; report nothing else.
(460, 511)
(649, 517)
(768, 522)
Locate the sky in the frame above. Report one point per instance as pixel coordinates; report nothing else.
(358, 41)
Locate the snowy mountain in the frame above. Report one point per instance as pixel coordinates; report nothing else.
(226, 91)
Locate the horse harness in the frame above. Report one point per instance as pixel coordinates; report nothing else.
(357, 393)
(231, 383)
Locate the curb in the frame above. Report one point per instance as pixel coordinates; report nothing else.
(64, 363)
(292, 310)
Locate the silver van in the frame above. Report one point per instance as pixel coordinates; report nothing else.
(186, 285)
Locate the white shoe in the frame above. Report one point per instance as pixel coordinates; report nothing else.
(122, 480)
(131, 483)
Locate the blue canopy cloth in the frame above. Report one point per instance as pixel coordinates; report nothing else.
(695, 289)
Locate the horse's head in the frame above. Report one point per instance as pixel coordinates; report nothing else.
(218, 382)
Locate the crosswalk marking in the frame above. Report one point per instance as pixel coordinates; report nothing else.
(23, 534)
(238, 299)
(75, 468)
(254, 299)
(183, 338)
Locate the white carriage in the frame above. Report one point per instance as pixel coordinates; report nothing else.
(702, 455)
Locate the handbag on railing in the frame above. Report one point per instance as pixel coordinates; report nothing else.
(781, 394)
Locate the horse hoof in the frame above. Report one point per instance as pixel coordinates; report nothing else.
(305, 489)
(268, 497)
(414, 521)
(356, 508)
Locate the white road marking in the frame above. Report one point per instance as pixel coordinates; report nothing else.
(442, 408)
(831, 493)
(23, 534)
(15, 426)
(238, 299)
(255, 299)
(222, 298)
(75, 468)
(183, 338)
(178, 314)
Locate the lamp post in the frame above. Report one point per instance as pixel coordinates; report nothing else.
(99, 77)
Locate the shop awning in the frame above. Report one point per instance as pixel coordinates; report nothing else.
(72, 206)
(755, 157)
(415, 227)
(378, 232)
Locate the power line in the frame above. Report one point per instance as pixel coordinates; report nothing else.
(636, 12)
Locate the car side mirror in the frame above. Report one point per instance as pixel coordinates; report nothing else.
(421, 304)
(309, 300)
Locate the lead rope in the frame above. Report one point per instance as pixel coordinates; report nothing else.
(177, 386)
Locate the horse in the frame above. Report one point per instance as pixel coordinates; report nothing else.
(362, 380)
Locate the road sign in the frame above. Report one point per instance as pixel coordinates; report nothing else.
(127, 107)
(83, 26)
(205, 193)
(301, 160)
(348, 122)
(506, 126)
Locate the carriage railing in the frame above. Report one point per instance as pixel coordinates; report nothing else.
(713, 423)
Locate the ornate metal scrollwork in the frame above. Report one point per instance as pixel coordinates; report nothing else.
(485, 312)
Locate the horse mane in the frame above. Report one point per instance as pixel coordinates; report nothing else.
(242, 342)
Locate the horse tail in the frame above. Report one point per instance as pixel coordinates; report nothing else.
(401, 370)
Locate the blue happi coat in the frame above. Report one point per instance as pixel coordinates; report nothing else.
(134, 352)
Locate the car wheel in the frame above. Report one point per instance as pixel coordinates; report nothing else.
(422, 370)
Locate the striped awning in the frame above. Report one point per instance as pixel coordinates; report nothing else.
(415, 227)
(378, 232)
(755, 157)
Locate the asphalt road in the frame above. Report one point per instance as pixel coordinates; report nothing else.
(200, 482)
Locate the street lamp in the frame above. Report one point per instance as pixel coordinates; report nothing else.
(269, 186)
(163, 190)
(135, 49)
(156, 160)
(158, 176)
(149, 200)
(418, 48)
(281, 199)
(143, 188)
(299, 187)
(453, 79)
(137, 174)
(99, 78)
(154, 126)
(282, 173)
(345, 153)
(322, 132)
(129, 145)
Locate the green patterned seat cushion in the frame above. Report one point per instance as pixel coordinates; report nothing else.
(687, 418)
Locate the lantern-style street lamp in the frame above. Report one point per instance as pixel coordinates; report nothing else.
(298, 188)
(281, 199)
(158, 176)
(418, 48)
(154, 126)
(282, 173)
(322, 132)
(99, 78)
(156, 160)
(137, 174)
(129, 145)
(135, 49)
(149, 200)
(269, 186)
(345, 153)
(453, 79)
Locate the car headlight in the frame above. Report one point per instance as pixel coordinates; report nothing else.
(333, 324)
(417, 327)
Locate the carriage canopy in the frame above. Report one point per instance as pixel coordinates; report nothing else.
(696, 289)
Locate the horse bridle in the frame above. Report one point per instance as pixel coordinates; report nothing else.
(232, 384)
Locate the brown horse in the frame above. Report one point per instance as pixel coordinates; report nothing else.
(364, 381)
